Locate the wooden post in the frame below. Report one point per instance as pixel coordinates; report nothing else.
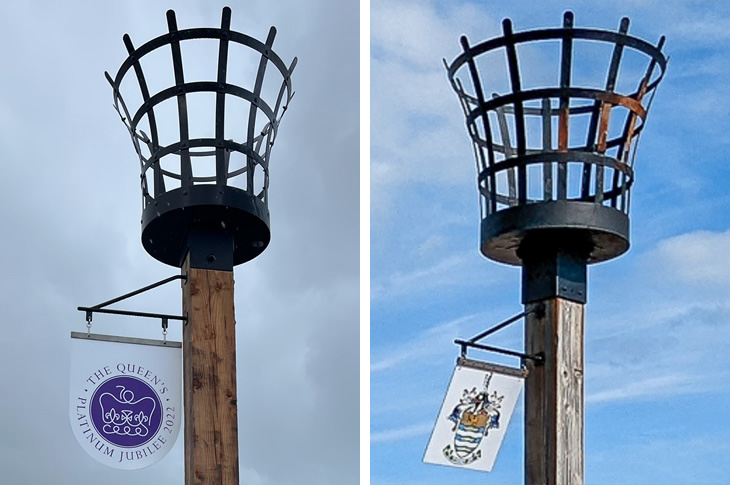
(554, 417)
(209, 375)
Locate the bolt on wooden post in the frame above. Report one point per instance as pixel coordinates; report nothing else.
(205, 210)
(555, 173)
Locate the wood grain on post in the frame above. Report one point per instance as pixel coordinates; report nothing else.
(209, 375)
(554, 404)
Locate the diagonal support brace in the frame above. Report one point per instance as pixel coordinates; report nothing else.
(473, 342)
(100, 307)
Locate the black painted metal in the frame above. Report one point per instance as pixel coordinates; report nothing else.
(506, 323)
(141, 290)
(187, 198)
(163, 316)
(554, 272)
(537, 358)
(555, 164)
(474, 341)
(211, 250)
(100, 307)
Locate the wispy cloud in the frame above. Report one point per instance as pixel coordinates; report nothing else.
(697, 257)
(425, 345)
(646, 388)
(661, 345)
(703, 29)
(398, 434)
(417, 129)
(415, 31)
(439, 274)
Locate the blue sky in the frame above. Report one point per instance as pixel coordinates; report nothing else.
(657, 318)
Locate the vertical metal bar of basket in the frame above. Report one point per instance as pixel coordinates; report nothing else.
(221, 155)
(520, 135)
(564, 109)
(251, 163)
(485, 122)
(158, 179)
(186, 168)
(599, 123)
(547, 146)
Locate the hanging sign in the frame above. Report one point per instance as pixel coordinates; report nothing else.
(474, 415)
(124, 406)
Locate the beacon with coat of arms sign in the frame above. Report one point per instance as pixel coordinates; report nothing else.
(555, 150)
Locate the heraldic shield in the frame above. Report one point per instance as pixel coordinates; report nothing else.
(473, 417)
(476, 413)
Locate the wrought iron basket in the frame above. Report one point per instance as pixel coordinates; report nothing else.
(216, 183)
(555, 159)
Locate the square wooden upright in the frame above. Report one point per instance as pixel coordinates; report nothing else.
(209, 375)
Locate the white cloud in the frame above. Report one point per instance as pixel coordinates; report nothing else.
(435, 242)
(417, 129)
(427, 344)
(415, 32)
(658, 348)
(398, 434)
(442, 273)
(653, 387)
(705, 28)
(699, 257)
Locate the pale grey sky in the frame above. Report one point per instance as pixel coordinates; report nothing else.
(71, 206)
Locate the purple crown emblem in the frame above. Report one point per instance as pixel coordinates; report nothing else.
(126, 411)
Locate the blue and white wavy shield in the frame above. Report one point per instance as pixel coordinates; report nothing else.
(474, 415)
(125, 406)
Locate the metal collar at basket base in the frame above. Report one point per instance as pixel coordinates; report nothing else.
(604, 231)
(169, 222)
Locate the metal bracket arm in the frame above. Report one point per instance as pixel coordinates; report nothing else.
(539, 359)
(100, 307)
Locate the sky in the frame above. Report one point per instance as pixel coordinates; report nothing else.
(656, 329)
(656, 319)
(71, 207)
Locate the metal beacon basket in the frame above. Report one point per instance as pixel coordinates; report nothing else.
(555, 163)
(212, 185)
